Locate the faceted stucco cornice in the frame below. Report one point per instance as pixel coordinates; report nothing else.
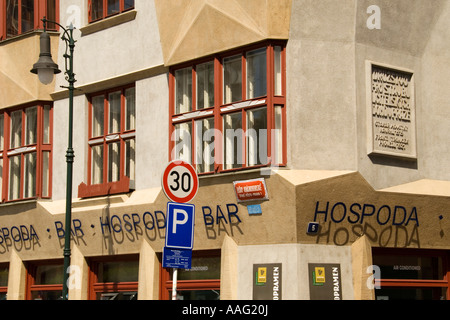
(191, 29)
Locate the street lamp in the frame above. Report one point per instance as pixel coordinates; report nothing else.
(45, 68)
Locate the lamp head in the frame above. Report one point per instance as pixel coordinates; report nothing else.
(45, 68)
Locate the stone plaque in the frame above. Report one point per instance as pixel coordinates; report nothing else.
(392, 112)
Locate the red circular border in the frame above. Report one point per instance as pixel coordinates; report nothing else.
(165, 184)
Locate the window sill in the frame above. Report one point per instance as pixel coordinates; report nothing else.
(108, 22)
(97, 190)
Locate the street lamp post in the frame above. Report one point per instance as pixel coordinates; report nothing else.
(45, 68)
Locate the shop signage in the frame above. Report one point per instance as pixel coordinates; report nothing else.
(180, 181)
(267, 281)
(325, 281)
(251, 190)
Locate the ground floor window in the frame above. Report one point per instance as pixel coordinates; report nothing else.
(44, 281)
(4, 272)
(114, 278)
(410, 274)
(201, 282)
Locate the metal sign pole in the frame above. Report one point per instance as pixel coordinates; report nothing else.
(174, 283)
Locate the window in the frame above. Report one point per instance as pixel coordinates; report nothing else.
(228, 111)
(44, 281)
(201, 282)
(112, 143)
(114, 279)
(25, 153)
(100, 9)
(22, 16)
(412, 274)
(4, 272)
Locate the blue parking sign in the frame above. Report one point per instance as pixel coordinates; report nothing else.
(180, 225)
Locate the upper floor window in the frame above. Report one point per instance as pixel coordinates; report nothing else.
(112, 142)
(228, 112)
(100, 9)
(22, 16)
(25, 153)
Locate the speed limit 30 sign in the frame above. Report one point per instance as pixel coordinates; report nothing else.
(180, 181)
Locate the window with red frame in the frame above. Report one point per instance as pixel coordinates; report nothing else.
(21, 16)
(227, 112)
(411, 274)
(112, 143)
(114, 278)
(44, 281)
(26, 152)
(100, 9)
(201, 282)
(4, 272)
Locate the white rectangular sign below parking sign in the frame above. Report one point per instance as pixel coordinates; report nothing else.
(180, 225)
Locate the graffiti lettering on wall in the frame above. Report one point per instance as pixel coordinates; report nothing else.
(385, 225)
(116, 228)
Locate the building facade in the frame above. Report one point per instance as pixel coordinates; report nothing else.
(319, 130)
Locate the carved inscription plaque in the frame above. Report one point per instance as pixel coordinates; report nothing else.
(393, 112)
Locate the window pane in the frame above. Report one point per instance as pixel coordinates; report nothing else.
(205, 145)
(277, 136)
(113, 7)
(29, 186)
(232, 76)
(256, 73)
(257, 136)
(31, 126)
(49, 274)
(16, 129)
(118, 271)
(130, 160)
(205, 85)
(4, 271)
(409, 267)
(233, 141)
(51, 13)
(406, 293)
(197, 294)
(97, 164)
(2, 118)
(183, 90)
(96, 9)
(277, 63)
(128, 4)
(46, 174)
(114, 112)
(130, 109)
(12, 18)
(1, 179)
(46, 136)
(98, 118)
(117, 296)
(114, 162)
(183, 134)
(203, 268)
(27, 15)
(46, 295)
(14, 177)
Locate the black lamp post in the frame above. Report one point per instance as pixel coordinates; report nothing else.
(45, 68)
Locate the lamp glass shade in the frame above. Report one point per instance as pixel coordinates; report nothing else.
(46, 75)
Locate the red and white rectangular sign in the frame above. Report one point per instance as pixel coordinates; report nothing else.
(251, 190)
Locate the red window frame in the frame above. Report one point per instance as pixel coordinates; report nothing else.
(105, 10)
(31, 285)
(39, 148)
(89, 189)
(219, 110)
(109, 287)
(42, 9)
(443, 283)
(184, 285)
